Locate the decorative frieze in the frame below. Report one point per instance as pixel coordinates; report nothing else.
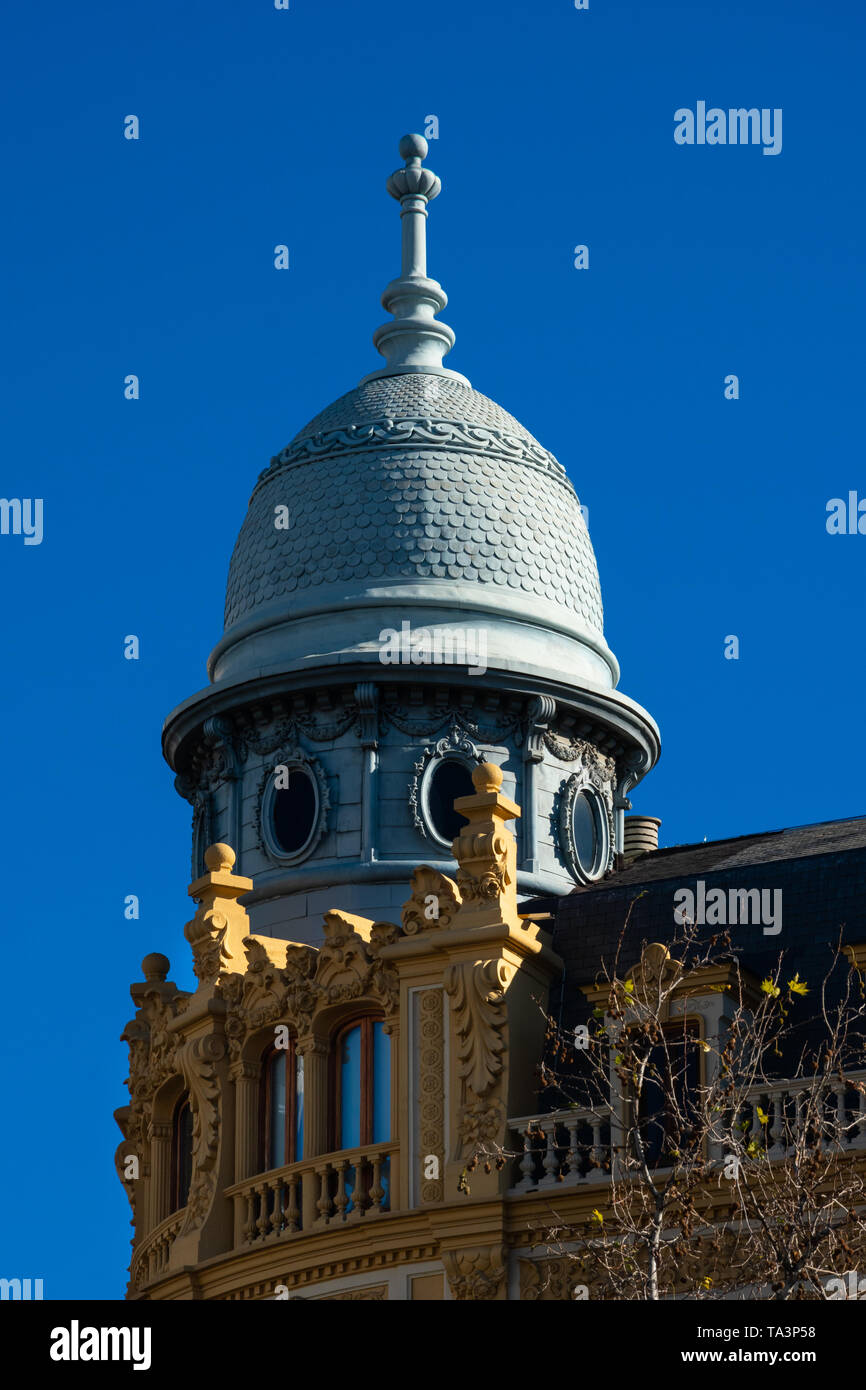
(431, 1092)
(419, 433)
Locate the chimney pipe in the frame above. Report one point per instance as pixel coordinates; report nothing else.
(640, 836)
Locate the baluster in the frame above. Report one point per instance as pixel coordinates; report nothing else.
(801, 1101)
(341, 1201)
(859, 1134)
(527, 1163)
(276, 1222)
(324, 1205)
(293, 1213)
(572, 1158)
(250, 1227)
(264, 1219)
(377, 1190)
(550, 1162)
(597, 1152)
(777, 1127)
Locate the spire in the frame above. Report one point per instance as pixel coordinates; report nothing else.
(415, 341)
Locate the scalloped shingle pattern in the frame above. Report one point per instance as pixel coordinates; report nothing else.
(368, 504)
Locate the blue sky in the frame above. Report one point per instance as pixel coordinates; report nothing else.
(155, 257)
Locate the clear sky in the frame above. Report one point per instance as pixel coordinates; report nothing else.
(156, 257)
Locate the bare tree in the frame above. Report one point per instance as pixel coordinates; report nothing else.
(735, 1161)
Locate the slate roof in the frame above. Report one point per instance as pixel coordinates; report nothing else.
(819, 869)
(408, 478)
(769, 846)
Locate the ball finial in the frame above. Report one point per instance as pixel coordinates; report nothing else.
(487, 777)
(155, 967)
(219, 857)
(413, 147)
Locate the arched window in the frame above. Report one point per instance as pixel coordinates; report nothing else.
(362, 1073)
(361, 1110)
(181, 1153)
(282, 1127)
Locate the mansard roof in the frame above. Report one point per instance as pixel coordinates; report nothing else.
(820, 871)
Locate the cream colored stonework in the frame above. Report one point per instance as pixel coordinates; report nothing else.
(457, 981)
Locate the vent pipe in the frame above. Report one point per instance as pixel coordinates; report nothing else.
(640, 836)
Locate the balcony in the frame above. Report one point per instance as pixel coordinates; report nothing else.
(564, 1147)
(338, 1188)
(797, 1111)
(150, 1258)
(571, 1147)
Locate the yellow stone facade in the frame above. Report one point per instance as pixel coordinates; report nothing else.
(458, 983)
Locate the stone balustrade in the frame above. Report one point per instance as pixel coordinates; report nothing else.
(568, 1147)
(563, 1147)
(348, 1185)
(834, 1113)
(151, 1256)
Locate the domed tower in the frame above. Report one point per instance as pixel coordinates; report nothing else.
(413, 591)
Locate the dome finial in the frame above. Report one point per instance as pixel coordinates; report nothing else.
(415, 341)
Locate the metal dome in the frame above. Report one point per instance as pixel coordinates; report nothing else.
(413, 498)
(407, 479)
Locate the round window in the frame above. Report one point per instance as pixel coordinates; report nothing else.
(449, 780)
(589, 832)
(295, 811)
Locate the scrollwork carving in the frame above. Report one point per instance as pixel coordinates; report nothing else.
(434, 903)
(477, 992)
(198, 1060)
(476, 1272)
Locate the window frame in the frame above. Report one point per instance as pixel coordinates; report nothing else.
(290, 1061)
(182, 1104)
(367, 1022)
(688, 1029)
(450, 755)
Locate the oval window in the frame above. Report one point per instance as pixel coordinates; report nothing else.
(588, 831)
(449, 780)
(295, 811)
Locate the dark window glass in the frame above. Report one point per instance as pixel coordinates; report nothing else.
(451, 780)
(181, 1154)
(381, 1084)
(294, 813)
(350, 1089)
(671, 1082)
(277, 1111)
(363, 1080)
(283, 1098)
(585, 826)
